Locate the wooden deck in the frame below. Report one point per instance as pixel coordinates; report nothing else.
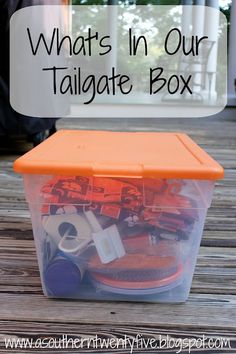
(211, 308)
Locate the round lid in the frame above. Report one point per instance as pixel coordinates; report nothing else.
(62, 278)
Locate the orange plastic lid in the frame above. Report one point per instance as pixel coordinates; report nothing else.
(119, 154)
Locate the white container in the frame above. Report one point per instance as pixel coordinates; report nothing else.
(118, 216)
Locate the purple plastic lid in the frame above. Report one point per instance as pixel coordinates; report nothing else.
(62, 277)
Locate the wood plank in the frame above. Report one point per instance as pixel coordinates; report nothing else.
(21, 228)
(37, 308)
(20, 275)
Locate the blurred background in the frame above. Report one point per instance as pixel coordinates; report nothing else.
(14, 126)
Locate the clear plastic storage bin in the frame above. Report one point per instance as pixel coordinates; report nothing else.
(117, 215)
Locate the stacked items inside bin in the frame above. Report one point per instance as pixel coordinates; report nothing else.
(121, 235)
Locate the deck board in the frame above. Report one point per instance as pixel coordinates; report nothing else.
(211, 308)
